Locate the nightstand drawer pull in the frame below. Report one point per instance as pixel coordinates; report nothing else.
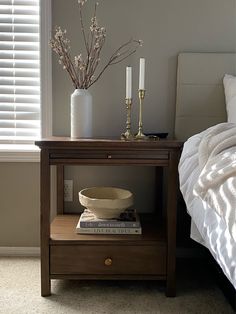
(108, 261)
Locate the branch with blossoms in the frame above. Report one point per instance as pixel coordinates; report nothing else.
(82, 70)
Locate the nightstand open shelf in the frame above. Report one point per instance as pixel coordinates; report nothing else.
(63, 230)
(67, 255)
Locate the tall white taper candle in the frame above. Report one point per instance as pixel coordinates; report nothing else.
(128, 82)
(142, 74)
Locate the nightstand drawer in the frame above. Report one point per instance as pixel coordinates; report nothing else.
(161, 154)
(107, 259)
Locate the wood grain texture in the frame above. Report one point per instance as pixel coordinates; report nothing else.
(45, 222)
(151, 254)
(103, 144)
(110, 162)
(90, 259)
(171, 223)
(107, 277)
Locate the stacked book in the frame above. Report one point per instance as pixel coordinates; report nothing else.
(127, 223)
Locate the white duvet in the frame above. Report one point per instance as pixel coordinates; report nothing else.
(216, 184)
(207, 176)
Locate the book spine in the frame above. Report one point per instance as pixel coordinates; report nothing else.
(97, 224)
(109, 230)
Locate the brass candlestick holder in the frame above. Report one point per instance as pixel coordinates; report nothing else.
(140, 135)
(128, 135)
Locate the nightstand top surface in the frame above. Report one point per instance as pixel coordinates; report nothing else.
(67, 142)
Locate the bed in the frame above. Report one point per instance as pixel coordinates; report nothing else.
(210, 142)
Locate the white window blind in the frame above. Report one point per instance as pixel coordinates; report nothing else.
(19, 70)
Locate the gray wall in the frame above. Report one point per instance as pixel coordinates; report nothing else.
(167, 27)
(19, 204)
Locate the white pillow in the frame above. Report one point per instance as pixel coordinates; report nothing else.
(229, 82)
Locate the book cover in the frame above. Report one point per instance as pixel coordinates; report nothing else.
(108, 230)
(128, 219)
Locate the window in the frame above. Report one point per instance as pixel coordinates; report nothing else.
(24, 72)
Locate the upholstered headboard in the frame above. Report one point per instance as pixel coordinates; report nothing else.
(200, 100)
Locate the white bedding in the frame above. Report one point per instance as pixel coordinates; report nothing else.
(216, 184)
(208, 227)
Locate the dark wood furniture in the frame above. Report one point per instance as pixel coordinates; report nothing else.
(67, 255)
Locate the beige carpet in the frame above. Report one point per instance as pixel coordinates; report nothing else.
(20, 293)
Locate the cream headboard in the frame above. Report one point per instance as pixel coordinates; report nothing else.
(200, 100)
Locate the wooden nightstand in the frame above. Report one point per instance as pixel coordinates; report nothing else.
(67, 255)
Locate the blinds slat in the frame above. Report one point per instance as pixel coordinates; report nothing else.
(19, 70)
(21, 107)
(19, 116)
(20, 46)
(19, 90)
(16, 8)
(19, 28)
(18, 54)
(19, 19)
(19, 124)
(20, 81)
(18, 133)
(20, 2)
(31, 11)
(19, 65)
(15, 37)
(33, 99)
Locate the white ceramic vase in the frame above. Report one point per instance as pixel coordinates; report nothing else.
(81, 114)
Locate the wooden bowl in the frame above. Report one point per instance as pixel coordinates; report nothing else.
(106, 202)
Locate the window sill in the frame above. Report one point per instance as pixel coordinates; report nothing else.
(19, 153)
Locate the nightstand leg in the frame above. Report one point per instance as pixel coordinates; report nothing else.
(45, 222)
(171, 224)
(45, 283)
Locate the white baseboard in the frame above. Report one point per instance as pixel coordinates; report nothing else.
(19, 251)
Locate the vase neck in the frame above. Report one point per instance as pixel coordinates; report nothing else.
(81, 91)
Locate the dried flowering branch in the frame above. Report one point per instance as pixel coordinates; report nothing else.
(82, 69)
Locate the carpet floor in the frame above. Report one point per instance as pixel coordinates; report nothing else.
(20, 293)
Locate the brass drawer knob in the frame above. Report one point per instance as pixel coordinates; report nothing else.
(108, 261)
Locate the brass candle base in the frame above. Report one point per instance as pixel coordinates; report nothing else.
(128, 135)
(140, 135)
